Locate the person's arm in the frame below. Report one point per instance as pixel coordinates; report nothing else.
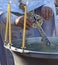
(16, 20)
(47, 9)
(3, 18)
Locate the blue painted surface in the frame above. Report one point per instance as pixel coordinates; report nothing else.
(3, 58)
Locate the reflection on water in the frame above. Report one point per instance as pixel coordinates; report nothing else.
(21, 60)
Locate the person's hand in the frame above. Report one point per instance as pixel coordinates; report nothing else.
(47, 12)
(20, 21)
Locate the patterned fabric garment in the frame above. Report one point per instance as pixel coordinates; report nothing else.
(32, 4)
(33, 32)
(17, 31)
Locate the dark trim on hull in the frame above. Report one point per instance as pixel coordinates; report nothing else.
(34, 54)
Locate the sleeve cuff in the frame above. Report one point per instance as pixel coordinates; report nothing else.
(3, 18)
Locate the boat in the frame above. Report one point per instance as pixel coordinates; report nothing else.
(35, 47)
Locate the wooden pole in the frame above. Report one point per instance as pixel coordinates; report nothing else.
(24, 30)
(8, 26)
(7, 23)
(10, 35)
